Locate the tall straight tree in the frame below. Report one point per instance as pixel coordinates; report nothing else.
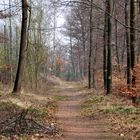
(109, 49)
(91, 44)
(132, 31)
(10, 43)
(23, 44)
(127, 45)
(133, 39)
(105, 50)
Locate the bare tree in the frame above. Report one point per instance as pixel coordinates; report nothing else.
(109, 49)
(127, 45)
(133, 39)
(91, 44)
(20, 69)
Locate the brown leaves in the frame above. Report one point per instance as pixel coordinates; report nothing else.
(133, 90)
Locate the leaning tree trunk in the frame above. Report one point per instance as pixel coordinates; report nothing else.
(23, 43)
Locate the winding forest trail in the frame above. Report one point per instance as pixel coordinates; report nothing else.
(74, 126)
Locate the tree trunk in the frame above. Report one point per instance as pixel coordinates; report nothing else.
(10, 45)
(133, 39)
(95, 59)
(127, 45)
(105, 51)
(91, 45)
(84, 51)
(20, 69)
(109, 57)
(132, 32)
(116, 44)
(71, 53)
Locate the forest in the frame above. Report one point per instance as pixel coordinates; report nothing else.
(69, 69)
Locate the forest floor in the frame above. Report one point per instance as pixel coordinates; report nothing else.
(76, 113)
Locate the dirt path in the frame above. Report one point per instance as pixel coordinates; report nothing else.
(74, 126)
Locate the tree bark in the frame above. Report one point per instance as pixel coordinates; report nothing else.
(91, 45)
(23, 43)
(133, 40)
(10, 46)
(71, 53)
(105, 51)
(109, 57)
(127, 45)
(132, 32)
(95, 60)
(116, 44)
(84, 50)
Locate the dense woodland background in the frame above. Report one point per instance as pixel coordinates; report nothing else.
(98, 42)
(69, 69)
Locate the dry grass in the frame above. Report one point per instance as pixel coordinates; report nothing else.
(40, 107)
(122, 117)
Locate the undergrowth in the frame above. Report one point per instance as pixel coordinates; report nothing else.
(60, 98)
(40, 111)
(123, 118)
(37, 112)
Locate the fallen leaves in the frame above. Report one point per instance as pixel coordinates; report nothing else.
(123, 119)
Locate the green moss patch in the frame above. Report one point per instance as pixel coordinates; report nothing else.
(61, 98)
(92, 105)
(121, 109)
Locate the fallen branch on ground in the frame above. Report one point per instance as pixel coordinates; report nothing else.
(23, 123)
